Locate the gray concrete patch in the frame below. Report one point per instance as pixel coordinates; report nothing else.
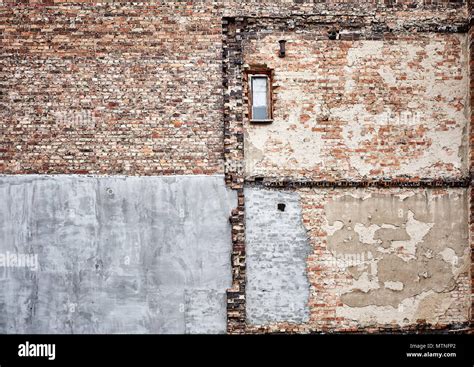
(115, 254)
(277, 249)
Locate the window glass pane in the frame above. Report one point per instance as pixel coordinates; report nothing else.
(259, 88)
(259, 98)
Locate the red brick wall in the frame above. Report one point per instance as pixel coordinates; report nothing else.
(111, 89)
(137, 88)
(332, 272)
(345, 109)
(101, 88)
(246, 46)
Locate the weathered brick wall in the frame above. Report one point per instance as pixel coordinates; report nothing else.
(138, 89)
(380, 259)
(133, 88)
(398, 11)
(343, 109)
(108, 89)
(444, 39)
(395, 256)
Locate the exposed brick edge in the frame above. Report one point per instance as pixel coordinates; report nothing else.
(233, 156)
(470, 4)
(420, 328)
(331, 6)
(410, 183)
(367, 27)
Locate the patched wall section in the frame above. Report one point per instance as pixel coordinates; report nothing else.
(388, 256)
(277, 248)
(355, 109)
(379, 258)
(115, 255)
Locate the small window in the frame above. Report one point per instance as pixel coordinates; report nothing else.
(260, 98)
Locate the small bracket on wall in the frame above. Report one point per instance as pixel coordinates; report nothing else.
(333, 34)
(282, 51)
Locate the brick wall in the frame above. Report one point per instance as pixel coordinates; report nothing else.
(356, 109)
(133, 88)
(380, 259)
(442, 48)
(111, 89)
(155, 87)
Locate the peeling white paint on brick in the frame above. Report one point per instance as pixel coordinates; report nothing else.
(385, 109)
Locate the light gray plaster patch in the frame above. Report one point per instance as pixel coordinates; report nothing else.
(116, 254)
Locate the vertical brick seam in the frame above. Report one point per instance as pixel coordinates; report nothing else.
(471, 150)
(234, 156)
